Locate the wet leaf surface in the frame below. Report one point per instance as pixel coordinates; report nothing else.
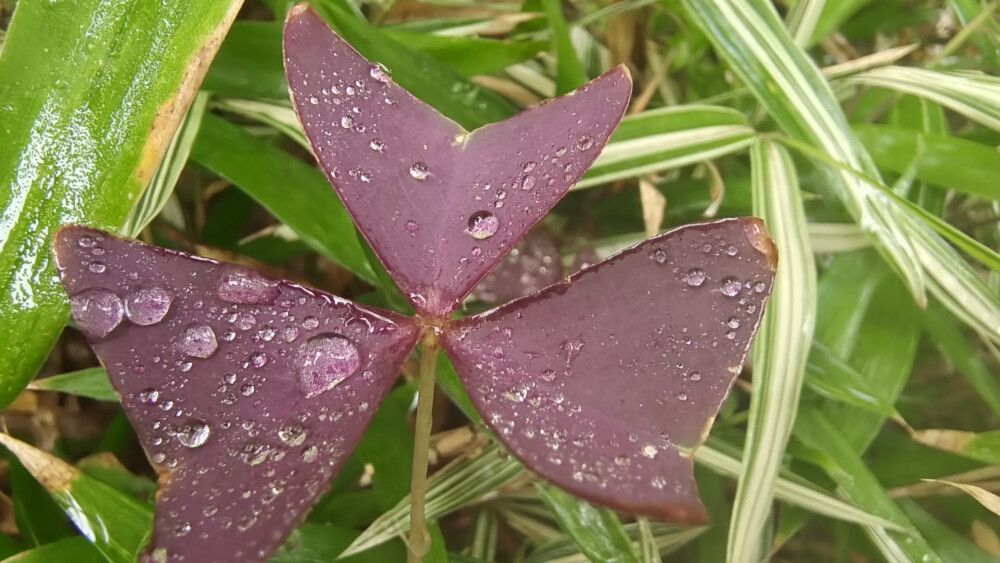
(440, 206)
(605, 398)
(247, 392)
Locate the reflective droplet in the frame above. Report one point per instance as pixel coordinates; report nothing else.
(379, 72)
(292, 434)
(418, 170)
(412, 226)
(310, 323)
(527, 183)
(695, 277)
(682, 396)
(623, 460)
(548, 375)
(86, 242)
(377, 145)
(148, 305)
(731, 250)
(240, 285)
(695, 376)
(160, 555)
(97, 267)
(199, 341)
(659, 255)
(309, 454)
(313, 100)
(247, 389)
(324, 361)
(560, 151)
(149, 395)
(517, 393)
(258, 359)
(347, 122)
(290, 333)
(760, 287)
(528, 166)
(730, 286)
(193, 433)
(733, 323)
(649, 450)
(97, 311)
(483, 224)
(584, 143)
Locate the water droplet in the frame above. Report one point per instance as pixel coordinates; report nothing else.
(418, 170)
(258, 359)
(160, 555)
(266, 334)
(310, 323)
(148, 305)
(528, 166)
(584, 143)
(347, 122)
(199, 341)
(731, 250)
(239, 285)
(682, 396)
(377, 145)
(324, 361)
(290, 333)
(149, 395)
(247, 389)
(695, 277)
(659, 255)
(412, 226)
(649, 450)
(483, 224)
(517, 393)
(313, 100)
(733, 323)
(730, 286)
(731, 335)
(695, 376)
(97, 311)
(560, 151)
(193, 433)
(97, 267)
(527, 183)
(760, 287)
(86, 242)
(379, 72)
(309, 454)
(253, 454)
(292, 434)
(548, 375)
(623, 460)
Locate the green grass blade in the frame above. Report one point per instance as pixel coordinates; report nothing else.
(460, 483)
(90, 94)
(264, 172)
(161, 186)
(92, 383)
(781, 348)
(957, 348)
(856, 482)
(665, 138)
(749, 35)
(666, 538)
(569, 71)
(75, 549)
(115, 523)
(596, 531)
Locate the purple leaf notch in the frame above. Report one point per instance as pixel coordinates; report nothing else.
(605, 382)
(440, 206)
(247, 392)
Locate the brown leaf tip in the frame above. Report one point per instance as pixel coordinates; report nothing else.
(761, 240)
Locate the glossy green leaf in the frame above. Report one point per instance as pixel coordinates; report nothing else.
(323, 543)
(468, 55)
(830, 376)
(597, 531)
(90, 95)
(116, 524)
(76, 549)
(942, 160)
(433, 82)
(92, 383)
(39, 520)
(265, 173)
(782, 346)
(248, 64)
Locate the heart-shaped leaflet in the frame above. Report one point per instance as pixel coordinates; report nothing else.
(248, 393)
(603, 383)
(439, 205)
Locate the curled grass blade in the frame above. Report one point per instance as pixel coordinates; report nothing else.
(597, 532)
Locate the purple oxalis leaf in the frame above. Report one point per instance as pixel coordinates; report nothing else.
(439, 205)
(248, 393)
(605, 382)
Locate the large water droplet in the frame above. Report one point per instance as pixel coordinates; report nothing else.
(199, 341)
(418, 170)
(695, 277)
(193, 433)
(324, 361)
(730, 286)
(379, 72)
(527, 183)
(97, 311)
(483, 224)
(246, 286)
(149, 396)
(148, 305)
(346, 122)
(292, 434)
(584, 143)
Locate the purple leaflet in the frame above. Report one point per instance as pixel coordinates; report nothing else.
(439, 206)
(531, 265)
(248, 393)
(605, 382)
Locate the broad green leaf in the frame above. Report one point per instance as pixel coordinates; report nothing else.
(665, 138)
(249, 63)
(569, 72)
(116, 524)
(667, 538)
(752, 39)
(76, 549)
(92, 383)
(831, 376)
(431, 81)
(279, 115)
(942, 160)
(856, 483)
(388, 446)
(782, 345)
(90, 94)
(460, 483)
(265, 173)
(716, 456)
(597, 531)
(323, 543)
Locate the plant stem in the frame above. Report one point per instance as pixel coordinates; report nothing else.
(419, 537)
